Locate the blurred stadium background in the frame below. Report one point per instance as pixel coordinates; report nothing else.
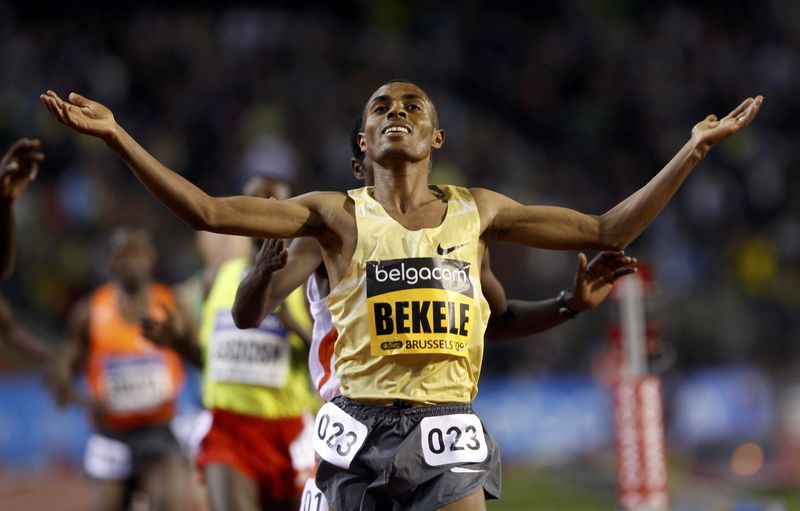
(569, 103)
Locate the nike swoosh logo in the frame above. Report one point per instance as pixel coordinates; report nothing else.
(464, 470)
(444, 251)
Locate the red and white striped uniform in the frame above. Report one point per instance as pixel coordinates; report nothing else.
(323, 337)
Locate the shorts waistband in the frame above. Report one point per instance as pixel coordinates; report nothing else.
(360, 410)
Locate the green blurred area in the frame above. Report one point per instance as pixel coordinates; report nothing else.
(586, 488)
(527, 488)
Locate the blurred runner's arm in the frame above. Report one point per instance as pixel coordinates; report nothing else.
(17, 336)
(65, 367)
(177, 332)
(562, 228)
(18, 167)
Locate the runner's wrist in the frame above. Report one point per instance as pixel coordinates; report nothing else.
(566, 305)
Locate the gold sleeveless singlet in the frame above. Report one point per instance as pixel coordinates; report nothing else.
(409, 310)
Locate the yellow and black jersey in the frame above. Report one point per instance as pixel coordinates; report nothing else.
(409, 311)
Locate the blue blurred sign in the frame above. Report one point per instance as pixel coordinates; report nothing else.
(731, 403)
(547, 419)
(33, 433)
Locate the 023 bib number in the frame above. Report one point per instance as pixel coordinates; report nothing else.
(337, 436)
(454, 438)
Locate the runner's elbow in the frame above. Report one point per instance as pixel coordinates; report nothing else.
(204, 216)
(243, 319)
(610, 237)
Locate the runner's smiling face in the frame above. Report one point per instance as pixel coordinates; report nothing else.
(400, 125)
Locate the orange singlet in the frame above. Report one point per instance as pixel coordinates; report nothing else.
(138, 380)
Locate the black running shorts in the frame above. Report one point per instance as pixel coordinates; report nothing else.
(374, 457)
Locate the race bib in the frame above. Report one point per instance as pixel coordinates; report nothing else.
(313, 499)
(337, 436)
(420, 305)
(137, 383)
(255, 356)
(107, 459)
(455, 438)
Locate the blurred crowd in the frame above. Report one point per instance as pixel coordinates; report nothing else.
(574, 104)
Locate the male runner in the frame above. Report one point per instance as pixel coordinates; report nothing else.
(257, 454)
(277, 272)
(403, 261)
(132, 383)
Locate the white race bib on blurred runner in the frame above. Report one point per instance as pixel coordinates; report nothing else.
(137, 384)
(250, 356)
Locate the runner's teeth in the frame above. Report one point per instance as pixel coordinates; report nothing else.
(397, 129)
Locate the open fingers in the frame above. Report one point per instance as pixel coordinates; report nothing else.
(739, 110)
(24, 144)
(608, 255)
(78, 100)
(621, 272)
(51, 105)
(52, 94)
(277, 245)
(23, 156)
(582, 263)
(604, 266)
(608, 261)
(64, 107)
(30, 156)
(274, 246)
(750, 113)
(33, 164)
(33, 170)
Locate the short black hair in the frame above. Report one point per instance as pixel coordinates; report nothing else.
(358, 127)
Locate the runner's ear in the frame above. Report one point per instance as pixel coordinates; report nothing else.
(438, 138)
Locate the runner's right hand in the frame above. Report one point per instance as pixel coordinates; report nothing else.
(81, 114)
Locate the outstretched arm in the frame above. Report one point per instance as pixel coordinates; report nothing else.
(592, 284)
(275, 273)
(13, 334)
(64, 368)
(18, 167)
(561, 228)
(244, 216)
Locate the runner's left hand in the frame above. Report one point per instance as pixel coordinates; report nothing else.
(594, 280)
